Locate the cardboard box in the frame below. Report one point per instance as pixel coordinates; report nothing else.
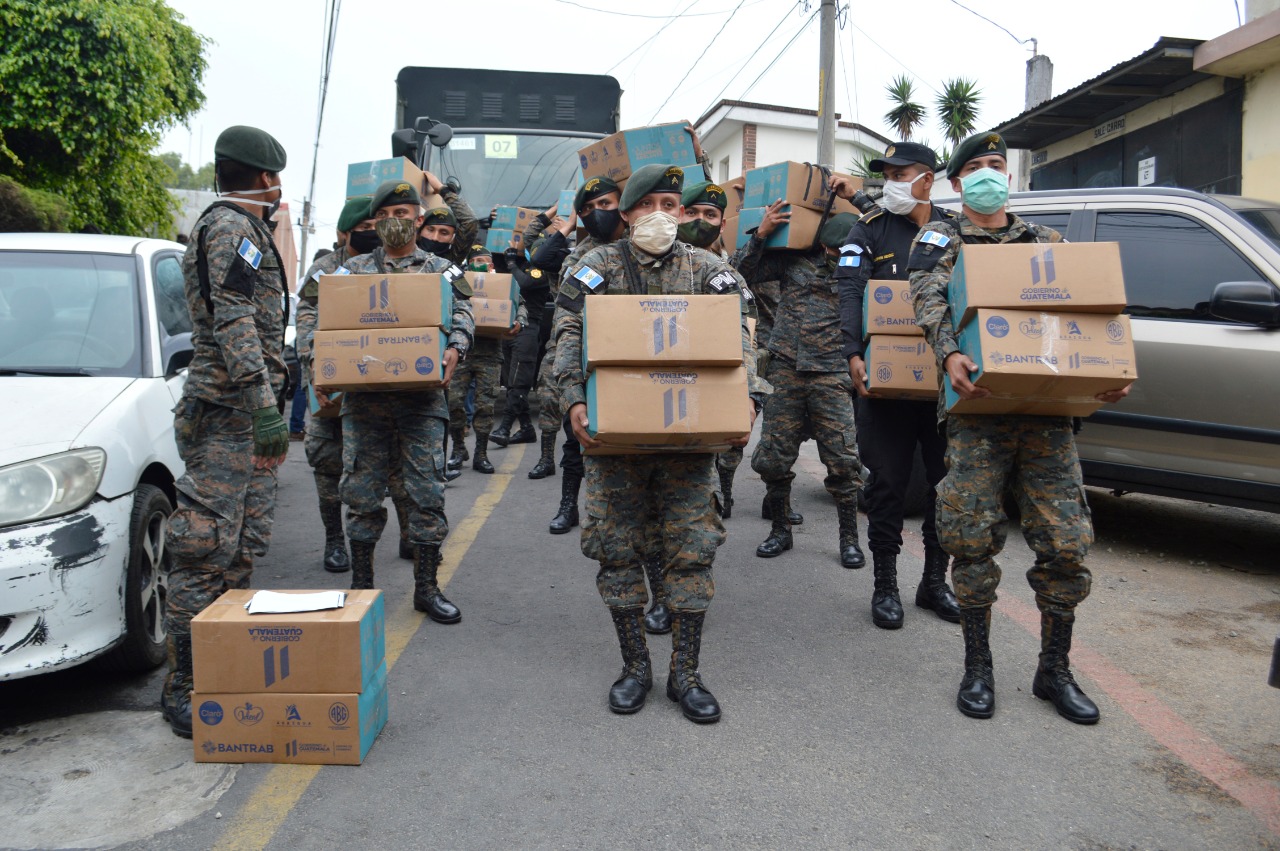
(494, 285)
(1049, 364)
(671, 330)
(332, 412)
(380, 359)
(887, 309)
(1080, 277)
(499, 240)
(360, 302)
(901, 367)
(735, 189)
(620, 155)
(667, 409)
(337, 650)
(564, 207)
(364, 178)
(799, 233)
(513, 218)
(494, 316)
(801, 184)
(308, 729)
(729, 233)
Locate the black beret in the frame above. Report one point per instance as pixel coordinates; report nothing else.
(704, 192)
(906, 153)
(477, 251)
(440, 216)
(592, 189)
(833, 233)
(355, 211)
(391, 192)
(250, 146)
(981, 145)
(652, 178)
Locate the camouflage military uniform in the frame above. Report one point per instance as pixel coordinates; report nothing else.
(622, 489)
(484, 364)
(987, 453)
(550, 409)
(225, 505)
(468, 226)
(378, 425)
(323, 443)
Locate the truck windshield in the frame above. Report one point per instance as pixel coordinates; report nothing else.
(515, 170)
(1266, 222)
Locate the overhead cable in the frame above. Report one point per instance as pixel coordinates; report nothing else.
(784, 49)
(701, 54)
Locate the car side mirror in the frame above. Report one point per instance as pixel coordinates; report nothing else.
(439, 134)
(1251, 302)
(177, 352)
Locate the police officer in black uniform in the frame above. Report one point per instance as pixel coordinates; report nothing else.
(876, 249)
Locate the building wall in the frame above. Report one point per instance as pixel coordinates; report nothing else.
(1261, 155)
(775, 144)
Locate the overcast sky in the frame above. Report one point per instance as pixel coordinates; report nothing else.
(265, 56)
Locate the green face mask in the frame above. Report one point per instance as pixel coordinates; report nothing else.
(697, 232)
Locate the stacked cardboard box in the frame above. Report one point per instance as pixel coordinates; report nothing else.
(899, 363)
(509, 224)
(494, 302)
(1043, 324)
(364, 178)
(804, 187)
(309, 687)
(664, 372)
(619, 156)
(729, 231)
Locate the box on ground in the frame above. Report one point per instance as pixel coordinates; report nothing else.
(513, 218)
(887, 309)
(332, 412)
(618, 156)
(798, 233)
(335, 728)
(667, 409)
(336, 650)
(380, 359)
(364, 178)
(801, 184)
(1079, 277)
(494, 317)
(645, 330)
(494, 285)
(901, 367)
(1044, 363)
(351, 302)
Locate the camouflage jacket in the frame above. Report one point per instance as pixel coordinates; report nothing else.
(683, 270)
(238, 314)
(468, 227)
(806, 326)
(933, 256)
(309, 304)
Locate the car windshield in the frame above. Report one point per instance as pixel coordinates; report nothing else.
(1265, 222)
(69, 313)
(499, 169)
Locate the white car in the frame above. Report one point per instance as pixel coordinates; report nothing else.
(94, 341)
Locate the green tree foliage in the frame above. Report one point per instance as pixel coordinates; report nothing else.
(958, 109)
(87, 89)
(24, 210)
(183, 177)
(906, 114)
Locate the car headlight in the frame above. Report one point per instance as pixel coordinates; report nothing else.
(47, 487)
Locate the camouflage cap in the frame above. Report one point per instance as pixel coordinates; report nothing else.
(441, 216)
(836, 229)
(394, 192)
(980, 145)
(250, 146)
(355, 211)
(706, 193)
(652, 178)
(592, 189)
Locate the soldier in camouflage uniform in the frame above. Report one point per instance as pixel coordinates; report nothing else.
(986, 454)
(228, 426)
(539, 281)
(622, 489)
(412, 423)
(810, 380)
(448, 231)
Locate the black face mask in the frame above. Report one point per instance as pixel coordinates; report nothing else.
(697, 232)
(434, 246)
(364, 241)
(602, 224)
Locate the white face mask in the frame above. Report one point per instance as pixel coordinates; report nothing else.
(897, 197)
(654, 233)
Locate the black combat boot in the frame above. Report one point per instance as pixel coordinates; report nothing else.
(779, 540)
(567, 518)
(850, 553)
(726, 494)
(546, 465)
(795, 518)
(459, 456)
(335, 542)
(684, 683)
(658, 619)
(402, 516)
(1053, 680)
(426, 590)
(175, 698)
(977, 695)
(526, 434)
(481, 462)
(361, 564)
(628, 693)
(933, 593)
(501, 435)
(886, 606)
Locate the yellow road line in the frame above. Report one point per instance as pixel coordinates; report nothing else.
(279, 791)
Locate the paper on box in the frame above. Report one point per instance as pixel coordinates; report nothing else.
(618, 156)
(335, 728)
(1079, 277)
(336, 650)
(641, 330)
(887, 309)
(377, 360)
(494, 317)
(801, 184)
(799, 233)
(352, 302)
(901, 367)
(494, 285)
(364, 178)
(667, 408)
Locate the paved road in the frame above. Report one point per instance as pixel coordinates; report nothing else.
(835, 733)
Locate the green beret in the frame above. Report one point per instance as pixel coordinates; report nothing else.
(981, 145)
(355, 211)
(836, 229)
(592, 189)
(652, 178)
(704, 192)
(440, 216)
(250, 146)
(391, 192)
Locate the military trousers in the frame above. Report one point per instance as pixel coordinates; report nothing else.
(323, 445)
(890, 430)
(379, 430)
(824, 402)
(1035, 458)
(627, 496)
(549, 406)
(225, 507)
(484, 364)
(729, 460)
(571, 451)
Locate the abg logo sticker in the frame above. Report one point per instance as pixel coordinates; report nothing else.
(1115, 331)
(328, 369)
(884, 373)
(997, 326)
(339, 714)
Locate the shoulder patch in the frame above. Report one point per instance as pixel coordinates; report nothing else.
(851, 248)
(590, 278)
(341, 270)
(535, 273)
(932, 237)
(250, 253)
(722, 282)
(850, 260)
(878, 211)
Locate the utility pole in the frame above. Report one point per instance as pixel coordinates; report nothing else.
(827, 85)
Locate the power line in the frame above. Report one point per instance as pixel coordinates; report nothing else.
(993, 23)
(894, 58)
(635, 15)
(674, 18)
(759, 47)
(784, 49)
(332, 10)
(844, 63)
(701, 54)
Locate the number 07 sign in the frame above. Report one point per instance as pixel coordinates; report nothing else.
(501, 147)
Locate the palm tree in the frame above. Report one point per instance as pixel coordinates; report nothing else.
(906, 115)
(958, 109)
(861, 167)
